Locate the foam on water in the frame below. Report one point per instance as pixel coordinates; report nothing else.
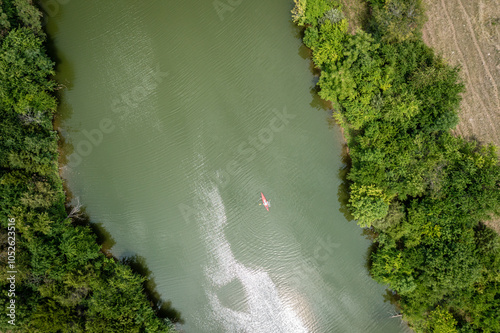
(266, 310)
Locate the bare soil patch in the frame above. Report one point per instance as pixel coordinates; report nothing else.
(356, 12)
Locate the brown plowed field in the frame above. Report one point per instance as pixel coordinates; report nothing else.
(467, 33)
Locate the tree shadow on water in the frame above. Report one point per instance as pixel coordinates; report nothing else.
(392, 297)
(64, 68)
(163, 309)
(371, 236)
(343, 190)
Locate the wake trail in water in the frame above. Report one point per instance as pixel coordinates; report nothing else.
(266, 311)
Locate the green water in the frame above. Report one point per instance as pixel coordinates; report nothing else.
(175, 118)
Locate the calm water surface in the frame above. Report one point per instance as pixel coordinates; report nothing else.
(178, 117)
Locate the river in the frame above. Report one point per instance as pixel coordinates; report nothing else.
(175, 116)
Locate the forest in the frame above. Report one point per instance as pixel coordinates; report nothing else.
(422, 192)
(54, 277)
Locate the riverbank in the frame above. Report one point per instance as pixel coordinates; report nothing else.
(58, 279)
(422, 191)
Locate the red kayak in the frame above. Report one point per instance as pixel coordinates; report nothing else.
(264, 201)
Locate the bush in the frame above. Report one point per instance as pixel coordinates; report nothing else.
(398, 20)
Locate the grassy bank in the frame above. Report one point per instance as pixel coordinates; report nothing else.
(53, 276)
(421, 190)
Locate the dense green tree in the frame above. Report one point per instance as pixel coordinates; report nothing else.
(397, 20)
(29, 14)
(4, 22)
(368, 204)
(441, 321)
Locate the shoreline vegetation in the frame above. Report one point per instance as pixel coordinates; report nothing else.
(422, 192)
(54, 276)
